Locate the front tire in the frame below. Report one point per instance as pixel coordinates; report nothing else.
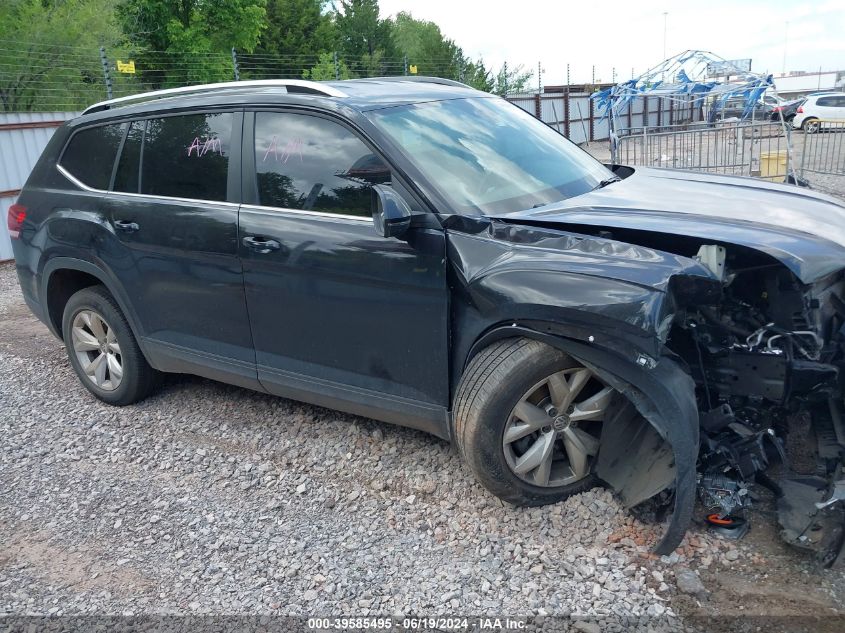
(528, 420)
(103, 351)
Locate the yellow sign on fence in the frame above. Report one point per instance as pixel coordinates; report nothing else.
(127, 67)
(412, 69)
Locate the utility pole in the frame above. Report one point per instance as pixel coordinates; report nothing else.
(665, 17)
(505, 78)
(539, 78)
(336, 67)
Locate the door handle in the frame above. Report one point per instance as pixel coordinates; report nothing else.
(261, 245)
(126, 226)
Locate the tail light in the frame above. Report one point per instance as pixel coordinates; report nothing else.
(15, 220)
(777, 109)
(800, 110)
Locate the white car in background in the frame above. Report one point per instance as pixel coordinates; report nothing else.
(820, 106)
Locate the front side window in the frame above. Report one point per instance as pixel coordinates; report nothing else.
(90, 155)
(309, 163)
(487, 156)
(187, 156)
(826, 102)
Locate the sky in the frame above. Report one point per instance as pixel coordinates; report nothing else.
(628, 35)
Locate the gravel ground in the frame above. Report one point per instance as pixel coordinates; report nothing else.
(209, 499)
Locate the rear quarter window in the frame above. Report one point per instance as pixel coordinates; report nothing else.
(89, 156)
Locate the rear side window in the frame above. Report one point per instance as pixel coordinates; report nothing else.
(186, 156)
(129, 164)
(309, 163)
(90, 155)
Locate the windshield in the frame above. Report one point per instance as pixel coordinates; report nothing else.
(487, 156)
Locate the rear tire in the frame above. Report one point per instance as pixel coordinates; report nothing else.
(518, 379)
(810, 126)
(103, 351)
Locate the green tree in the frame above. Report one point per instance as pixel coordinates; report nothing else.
(436, 55)
(475, 74)
(297, 28)
(426, 48)
(324, 69)
(364, 39)
(49, 58)
(189, 41)
(511, 80)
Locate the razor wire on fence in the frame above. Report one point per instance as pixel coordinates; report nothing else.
(61, 77)
(46, 77)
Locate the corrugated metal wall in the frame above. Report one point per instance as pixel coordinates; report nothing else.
(23, 136)
(585, 124)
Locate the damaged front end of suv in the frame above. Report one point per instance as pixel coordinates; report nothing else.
(738, 307)
(766, 355)
(698, 315)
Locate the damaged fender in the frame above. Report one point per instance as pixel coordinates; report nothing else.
(608, 304)
(665, 396)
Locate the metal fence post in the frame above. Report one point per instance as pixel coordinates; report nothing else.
(566, 115)
(566, 112)
(405, 63)
(592, 120)
(235, 65)
(106, 73)
(537, 108)
(336, 67)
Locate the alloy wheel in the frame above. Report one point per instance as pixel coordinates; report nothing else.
(552, 435)
(97, 350)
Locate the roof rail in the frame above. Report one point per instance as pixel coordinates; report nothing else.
(307, 86)
(424, 79)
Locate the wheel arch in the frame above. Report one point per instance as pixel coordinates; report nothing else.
(661, 390)
(63, 276)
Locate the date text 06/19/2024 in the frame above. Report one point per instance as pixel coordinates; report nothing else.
(416, 624)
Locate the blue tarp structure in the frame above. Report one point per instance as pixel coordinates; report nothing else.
(686, 77)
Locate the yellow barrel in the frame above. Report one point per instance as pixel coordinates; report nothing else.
(773, 165)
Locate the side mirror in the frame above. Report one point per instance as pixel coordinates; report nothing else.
(391, 214)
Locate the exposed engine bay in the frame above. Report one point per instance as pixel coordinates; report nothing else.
(768, 351)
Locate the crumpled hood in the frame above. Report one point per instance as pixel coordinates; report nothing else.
(801, 228)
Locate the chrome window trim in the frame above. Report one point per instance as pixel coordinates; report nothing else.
(76, 181)
(306, 213)
(257, 207)
(150, 196)
(73, 179)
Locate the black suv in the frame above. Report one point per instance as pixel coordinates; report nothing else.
(429, 255)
